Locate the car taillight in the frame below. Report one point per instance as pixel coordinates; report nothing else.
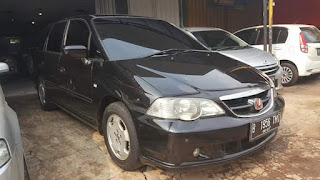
(303, 44)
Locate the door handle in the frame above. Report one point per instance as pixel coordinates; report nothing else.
(62, 69)
(85, 61)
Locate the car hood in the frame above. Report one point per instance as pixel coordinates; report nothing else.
(189, 73)
(252, 56)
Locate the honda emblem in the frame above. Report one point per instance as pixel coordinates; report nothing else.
(257, 103)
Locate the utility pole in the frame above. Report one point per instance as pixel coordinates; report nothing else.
(265, 25)
(270, 24)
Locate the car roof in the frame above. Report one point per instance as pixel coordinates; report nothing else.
(279, 25)
(196, 29)
(91, 16)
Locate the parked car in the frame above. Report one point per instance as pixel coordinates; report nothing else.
(158, 96)
(296, 46)
(12, 165)
(10, 52)
(232, 46)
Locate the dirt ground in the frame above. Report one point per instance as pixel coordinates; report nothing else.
(58, 146)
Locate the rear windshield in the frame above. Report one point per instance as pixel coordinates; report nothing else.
(311, 34)
(132, 38)
(218, 39)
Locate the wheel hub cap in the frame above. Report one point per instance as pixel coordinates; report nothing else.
(287, 75)
(42, 93)
(118, 137)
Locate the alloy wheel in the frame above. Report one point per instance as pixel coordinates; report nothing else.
(118, 137)
(42, 93)
(287, 75)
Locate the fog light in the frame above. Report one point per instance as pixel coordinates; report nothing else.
(196, 152)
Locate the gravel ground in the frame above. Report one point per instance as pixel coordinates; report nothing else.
(58, 146)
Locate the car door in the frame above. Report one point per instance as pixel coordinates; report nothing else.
(79, 70)
(55, 77)
(280, 36)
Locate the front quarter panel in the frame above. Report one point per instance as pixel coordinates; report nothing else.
(117, 82)
(10, 132)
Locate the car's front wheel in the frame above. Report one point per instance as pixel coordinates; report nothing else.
(43, 96)
(290, 74)
(121, 137)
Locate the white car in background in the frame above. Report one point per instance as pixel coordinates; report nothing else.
(296, 46)
(231, 46)
(12, 166)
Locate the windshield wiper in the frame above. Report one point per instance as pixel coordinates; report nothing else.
(230, 48)
(222, 48)
(170, 52)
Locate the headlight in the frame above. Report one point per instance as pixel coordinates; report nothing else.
(4, 152)
(186, 109)
(277, 60)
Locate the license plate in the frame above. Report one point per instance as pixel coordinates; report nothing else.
(318, 52)
(260, 128)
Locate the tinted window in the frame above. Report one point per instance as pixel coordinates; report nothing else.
(130, 38)
(55, 37)
(78, 33)
(311, 34)
(217, 38)
(279, 36)
(283, 36)
(247, 36)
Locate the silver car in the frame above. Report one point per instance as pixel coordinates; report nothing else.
(11, 154)
(233, 47)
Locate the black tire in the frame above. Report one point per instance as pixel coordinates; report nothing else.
(132, 162)
(26, 171)
(45, 104)
(295, 74)
(313, 76)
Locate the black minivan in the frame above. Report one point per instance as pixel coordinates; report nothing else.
(157, 95)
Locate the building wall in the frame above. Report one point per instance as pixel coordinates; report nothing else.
(200, 13)
(105, 6)
(297, 12)
(163, 9)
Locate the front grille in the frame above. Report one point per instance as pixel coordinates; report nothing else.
(241, 106)
(270, 70)
(230, 148)
(238, 146)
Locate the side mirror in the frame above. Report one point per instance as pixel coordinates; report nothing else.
(77, 51)
(4, 68)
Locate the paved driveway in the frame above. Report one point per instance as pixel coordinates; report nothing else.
(58, 146)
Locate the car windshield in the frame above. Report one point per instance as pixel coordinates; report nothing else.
(133, 38)
(218, 39)
(311, 34)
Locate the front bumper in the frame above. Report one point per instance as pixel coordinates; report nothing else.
(170, 143)
(14, 169)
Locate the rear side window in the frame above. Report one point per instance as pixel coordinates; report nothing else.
(311, 34)
(249, 36)
(56, 37)
(279, 36)
(283, 36)
(78, 33)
